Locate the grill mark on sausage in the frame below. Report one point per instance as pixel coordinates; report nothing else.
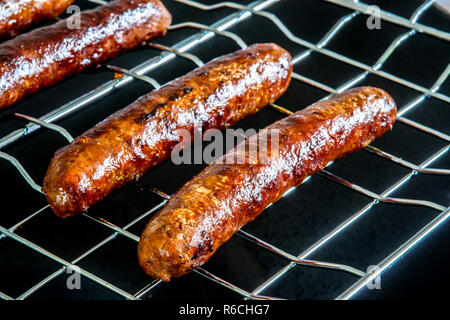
(187, 90)
(173, 97)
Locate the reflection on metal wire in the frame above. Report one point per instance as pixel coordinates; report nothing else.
(379, 198)
(100, 2)
(350, 221)
(186, 55)
(136, 76)
(232, 287)
(407, 164)
(31, 216)
(408, 23)
(4, 296)
(65, 263)
(47, 125)
(394, 256)
(282, 27)
(22, 171)
(147, 288)
(305, 262)
(52, 276)
(196, 25)
(424, 128)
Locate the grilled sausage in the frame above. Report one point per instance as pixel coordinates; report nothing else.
(125, 145)
(50, 54)
(210, 208)
(18, 15)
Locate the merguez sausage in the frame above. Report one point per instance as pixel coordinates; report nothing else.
(18, 15)
(125, 145)
(210, 208)
(47, 55)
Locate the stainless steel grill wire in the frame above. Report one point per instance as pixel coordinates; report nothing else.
(222, 28)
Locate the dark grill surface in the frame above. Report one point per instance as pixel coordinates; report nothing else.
(34, 252)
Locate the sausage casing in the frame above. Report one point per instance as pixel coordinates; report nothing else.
(18, 15)
(125, 145)
(47, 55)
(210, 208)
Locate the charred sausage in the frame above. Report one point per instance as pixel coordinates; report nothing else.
(47, 55)
(18, 15)
(210, 208)
(125, 145)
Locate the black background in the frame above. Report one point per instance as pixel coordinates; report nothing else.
(295, 222)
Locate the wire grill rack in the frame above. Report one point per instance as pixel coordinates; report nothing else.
(419, 94)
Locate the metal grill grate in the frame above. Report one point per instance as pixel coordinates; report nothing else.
(221, 29)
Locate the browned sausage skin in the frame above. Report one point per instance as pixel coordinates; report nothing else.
(210, 208)
(136, 138)
(18, 15)
(47, 55)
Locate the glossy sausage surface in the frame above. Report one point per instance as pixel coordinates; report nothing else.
(125, 145)
(18, 15)
(210, 208)
(47, 55)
